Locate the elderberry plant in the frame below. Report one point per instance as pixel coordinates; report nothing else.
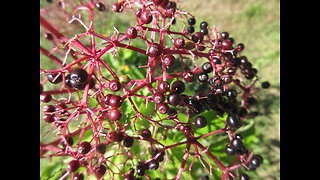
(154, 101)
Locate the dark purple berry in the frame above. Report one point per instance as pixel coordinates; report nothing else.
(158, 98)
(54, 78)
(234, 122)
(79, 76)
(236, 143)
(174, 99)
(265, 84)
(230, 150)
(207, 67)
(115, 101)
(115, 114)
(153, 165)
(154, 50)
(200, 122)
(191, 21)
(73, 165)
(244, 176)
(190, 29)
(128, 141)
(101, 148)
(100, 171)
(224, 35)
(100, 6)
(84, 147)
(146, 134)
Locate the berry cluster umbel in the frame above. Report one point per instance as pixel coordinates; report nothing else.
(228, 76)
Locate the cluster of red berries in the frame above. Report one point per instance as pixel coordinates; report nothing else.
(226, 78)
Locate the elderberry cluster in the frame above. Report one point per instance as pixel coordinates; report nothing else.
(90, 97)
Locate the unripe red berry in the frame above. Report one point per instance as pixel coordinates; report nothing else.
(188, 76)
(117, 7)
(131, 33)
(114, 85)
(169, 60)
(115, 114)
(179, 43)
(154, 50)
(158, 98)
(146, 17)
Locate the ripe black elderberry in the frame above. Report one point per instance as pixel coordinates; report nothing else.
(78, 76)
(200, 122)
(178, 86)
(265, 84)
(101, 148)
(128, 141)
(100, 171)
(54, 78)
(203, 77)
(191, 21)
(207, 67)
(153, 165)
(73, 165)
(233, 121)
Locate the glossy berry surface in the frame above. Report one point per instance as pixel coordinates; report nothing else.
(114, 85)
(146, 17)
(174, 99)
(78, 76)
(128, 141)
(154, 50)
(178, 86)
(163, 86)
(200, 122)
(191, 21)
(146, 134)
(179, 43)
(101, 148)
(73, 165)
(131, 33)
